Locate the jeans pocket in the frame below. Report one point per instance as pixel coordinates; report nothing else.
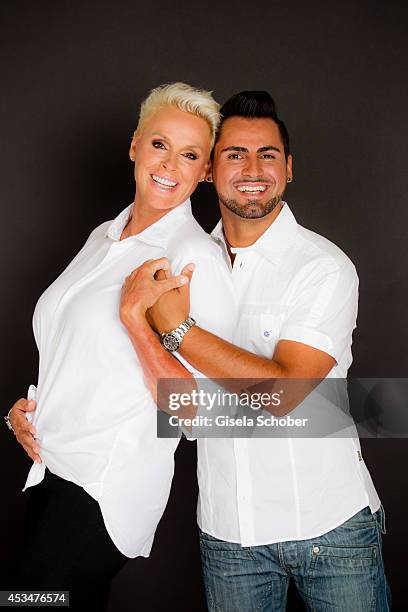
(344, 577)
(345, 556)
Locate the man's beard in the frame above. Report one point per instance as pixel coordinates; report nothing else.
(253, 209)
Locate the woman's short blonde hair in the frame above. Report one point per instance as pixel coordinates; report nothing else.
(184, 97)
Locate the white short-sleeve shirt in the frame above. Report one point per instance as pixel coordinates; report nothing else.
(95, 417)
(291, 284)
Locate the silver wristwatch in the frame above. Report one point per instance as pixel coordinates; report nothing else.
(173, 339)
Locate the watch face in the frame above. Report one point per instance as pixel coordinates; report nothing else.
(171, 342)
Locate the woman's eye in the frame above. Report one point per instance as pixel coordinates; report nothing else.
(190, 155)
(158, 144)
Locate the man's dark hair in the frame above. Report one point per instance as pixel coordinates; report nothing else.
(254, 105)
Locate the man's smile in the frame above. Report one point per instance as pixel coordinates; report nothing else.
(255, 189)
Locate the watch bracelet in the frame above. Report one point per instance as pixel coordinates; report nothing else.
(183, 328)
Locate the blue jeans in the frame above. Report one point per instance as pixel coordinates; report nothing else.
(340, 571)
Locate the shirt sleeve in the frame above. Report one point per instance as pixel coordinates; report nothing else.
(324, 311)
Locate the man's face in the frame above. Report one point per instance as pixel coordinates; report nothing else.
(250, 171)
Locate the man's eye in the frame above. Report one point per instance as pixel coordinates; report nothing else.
(190, 155)
(268, 156)
(158, 144)
(234, 156)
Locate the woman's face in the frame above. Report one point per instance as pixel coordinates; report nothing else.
(171, 156)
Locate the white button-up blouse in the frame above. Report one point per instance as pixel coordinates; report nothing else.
(95, 417)
(290, 284)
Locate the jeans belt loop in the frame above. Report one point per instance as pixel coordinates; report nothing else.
(381, 521)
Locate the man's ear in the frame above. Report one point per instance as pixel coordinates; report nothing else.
(289, 168)
(133, 147)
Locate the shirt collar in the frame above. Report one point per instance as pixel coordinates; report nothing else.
(156, 234)
(273, 242)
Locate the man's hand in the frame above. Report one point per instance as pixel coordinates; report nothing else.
(172, 307)
(24, 431)
(141, 290)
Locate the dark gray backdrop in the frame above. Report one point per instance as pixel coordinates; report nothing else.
(73, 75)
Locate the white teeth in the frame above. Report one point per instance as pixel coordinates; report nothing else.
(252, 188)
(163, 181)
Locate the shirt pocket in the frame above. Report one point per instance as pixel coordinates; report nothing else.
(268, 327)
(265, 322)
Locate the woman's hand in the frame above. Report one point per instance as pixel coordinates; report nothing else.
(141, 290)
(24, 431)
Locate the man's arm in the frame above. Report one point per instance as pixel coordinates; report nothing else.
(213, 356)
(316, 332)
(248, 372)
(292, 359)
(219, 359)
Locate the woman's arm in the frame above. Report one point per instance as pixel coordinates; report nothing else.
(157, 363)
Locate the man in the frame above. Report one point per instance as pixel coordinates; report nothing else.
(271, 509)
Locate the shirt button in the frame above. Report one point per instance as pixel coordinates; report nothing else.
(240, 265)
(316, 550)
(266, 334)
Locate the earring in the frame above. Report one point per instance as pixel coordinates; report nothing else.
(289, 179)
(209, 179)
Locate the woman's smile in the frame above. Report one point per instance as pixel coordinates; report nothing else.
(164, 183)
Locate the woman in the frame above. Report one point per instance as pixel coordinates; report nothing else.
(101, 476)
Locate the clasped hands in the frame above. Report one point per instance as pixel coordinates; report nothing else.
(151, 295)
